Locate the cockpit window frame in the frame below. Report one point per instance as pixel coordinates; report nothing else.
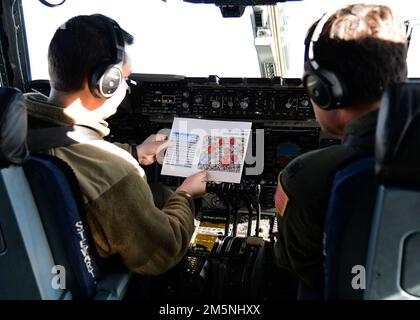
(14, 67)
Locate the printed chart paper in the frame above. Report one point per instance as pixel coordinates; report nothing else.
(219, 147)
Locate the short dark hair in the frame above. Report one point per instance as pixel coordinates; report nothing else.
(76, 48)
(366, 46)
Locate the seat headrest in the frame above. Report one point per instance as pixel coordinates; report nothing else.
(13, 127)
(398, 135)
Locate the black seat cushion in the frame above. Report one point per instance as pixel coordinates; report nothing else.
(398, 135)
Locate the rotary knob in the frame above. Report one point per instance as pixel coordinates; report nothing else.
(304, 103)
(244, 104)
(198, 100)
(215, 104)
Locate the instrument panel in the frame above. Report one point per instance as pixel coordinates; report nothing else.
(226, 98)
(282, 111)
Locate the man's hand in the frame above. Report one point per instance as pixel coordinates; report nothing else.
(153, 145)
(195, 185)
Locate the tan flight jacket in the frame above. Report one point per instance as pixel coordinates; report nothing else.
(118, 201)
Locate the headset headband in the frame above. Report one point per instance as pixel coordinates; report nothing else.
(313, 36)
(116, 35)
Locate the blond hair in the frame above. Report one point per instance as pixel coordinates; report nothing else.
(359, 21)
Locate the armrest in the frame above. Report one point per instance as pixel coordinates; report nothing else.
(113, 286)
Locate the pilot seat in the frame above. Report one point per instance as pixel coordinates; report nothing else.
(393, 269)
(45, 247)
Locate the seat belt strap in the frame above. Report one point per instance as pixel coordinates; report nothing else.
(53, 137)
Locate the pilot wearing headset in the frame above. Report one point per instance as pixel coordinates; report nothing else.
(351, 57)
(88, 64)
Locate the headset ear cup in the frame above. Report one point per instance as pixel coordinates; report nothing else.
(336, 87)
(107, 77)
(324, 88)
(105, 81)
(316, 86)
(318, 90)
(94, 80)
(110, 81)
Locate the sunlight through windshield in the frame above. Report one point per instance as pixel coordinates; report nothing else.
(175, 37)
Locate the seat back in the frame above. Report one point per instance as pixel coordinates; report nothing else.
(393, 270)
(347, 227)
(26, 261)
(42, 225)
(59, 201)
(394, 263)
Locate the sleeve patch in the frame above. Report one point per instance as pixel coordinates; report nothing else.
(280, 199)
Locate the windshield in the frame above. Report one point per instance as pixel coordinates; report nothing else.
(299, 16)
(175, 37)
